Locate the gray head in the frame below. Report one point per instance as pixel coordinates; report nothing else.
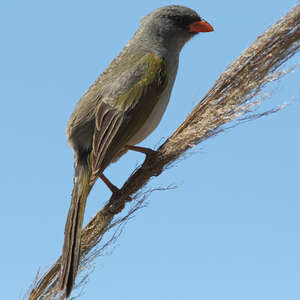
(173, 25)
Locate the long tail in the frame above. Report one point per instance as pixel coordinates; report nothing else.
(71, 247)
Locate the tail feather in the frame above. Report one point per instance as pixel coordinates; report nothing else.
(71, 247)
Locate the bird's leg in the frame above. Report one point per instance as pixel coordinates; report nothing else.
(111, 186)
(150, 155)
(116, 207)
(146, 151)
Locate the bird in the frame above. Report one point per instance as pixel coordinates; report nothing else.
(120, 109)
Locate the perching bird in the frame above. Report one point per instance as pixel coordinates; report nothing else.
(121, 108)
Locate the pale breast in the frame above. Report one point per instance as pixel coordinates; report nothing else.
(159, 109)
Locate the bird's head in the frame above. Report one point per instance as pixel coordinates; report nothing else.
(174, 24)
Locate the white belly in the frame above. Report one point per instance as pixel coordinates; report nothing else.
(152, 122)
(158, 111)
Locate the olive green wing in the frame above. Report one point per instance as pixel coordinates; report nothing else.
(124, 111)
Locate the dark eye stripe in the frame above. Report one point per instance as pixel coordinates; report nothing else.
(185, 20)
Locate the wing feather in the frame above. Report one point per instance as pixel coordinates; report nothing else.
(118, 118)
(110, 124)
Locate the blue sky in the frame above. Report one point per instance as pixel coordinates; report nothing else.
(229, 231)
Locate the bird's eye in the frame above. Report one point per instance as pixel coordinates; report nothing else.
(178, 20)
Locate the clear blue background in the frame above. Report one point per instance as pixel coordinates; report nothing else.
(229, 231)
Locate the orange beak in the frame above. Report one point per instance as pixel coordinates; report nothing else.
(200, 26)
